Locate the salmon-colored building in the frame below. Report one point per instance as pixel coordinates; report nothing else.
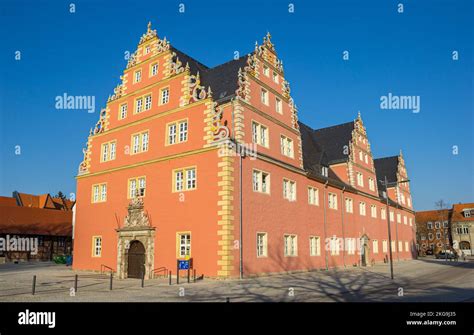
(163, 177)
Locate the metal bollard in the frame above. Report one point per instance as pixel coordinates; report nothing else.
(143, 279)
(194, 275)
(33, 289)
(75, 283)
(189, 271)
(111, 279)
(170, 275)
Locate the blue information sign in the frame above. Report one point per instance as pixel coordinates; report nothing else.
(183, 264)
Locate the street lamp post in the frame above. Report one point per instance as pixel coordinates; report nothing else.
(386, 184)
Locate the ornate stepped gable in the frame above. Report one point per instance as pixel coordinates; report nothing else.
(228, 80)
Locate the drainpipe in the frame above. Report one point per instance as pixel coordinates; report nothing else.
(325, 204)
(241, 260)
(343, 234)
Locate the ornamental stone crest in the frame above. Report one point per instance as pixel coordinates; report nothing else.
(219, 130)
(136, 216)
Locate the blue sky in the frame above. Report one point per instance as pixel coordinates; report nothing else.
(82, 53)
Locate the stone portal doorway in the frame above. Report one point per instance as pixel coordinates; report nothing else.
(136, 244)
(136, 260)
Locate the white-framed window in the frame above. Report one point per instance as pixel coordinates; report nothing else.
(148, 102)
(409, 201)
(184, 240)
(437, 225)
(405, 219)
(350, 244)
(438, 235)
(430, 236)
(402, 198)
(153, 69)
(289, 190)
(177, 132)
(261, 181)
(375, 246)
(99, 193)
(286, 146)
(332, 200)
(360, 179)
(383, 214)
(96, 246)
(140, 142)
(373, 211)
(400, 246)
(371, 184)
(314, 246)
(147, 50)
(123, 111)
(406, 246)
(361, 156)
(259, 134)
(136, 187)
(290, 245)
(165, 95)
(334, 245)
(392, 216)
(366, 159)
(393, 246)
(423, 237)
(278, 106)
(349, 205)
(266, 70)
(264, 96)
(185, 179)
(313, 196)
(139, 105)
(429, 225)
(108, 151)
(467, 214)
(445, 224)
(399, 218)
(276, 77)
(138, 76)
(362, 208)
(384, 246)
(262, 245)
(410, 220)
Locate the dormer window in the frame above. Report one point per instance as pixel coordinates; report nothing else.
(324, 171)
(467, 214)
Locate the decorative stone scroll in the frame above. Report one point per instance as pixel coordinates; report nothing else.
(286, 89)
(176, 66)
(83, 166)
(118, 92)
(219, 129)
(132, 60)
(243, 91)
(197, 92)
(100, 125)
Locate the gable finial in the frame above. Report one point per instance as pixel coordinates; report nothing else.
(401, 154)
(148, 27)
(359, 116)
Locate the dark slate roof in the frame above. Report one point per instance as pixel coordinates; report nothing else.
(223, 78)
(386, 166)
(313, 154)
(194, 65)
(333, 141)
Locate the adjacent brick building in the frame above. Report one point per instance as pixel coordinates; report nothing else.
(161, 179)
